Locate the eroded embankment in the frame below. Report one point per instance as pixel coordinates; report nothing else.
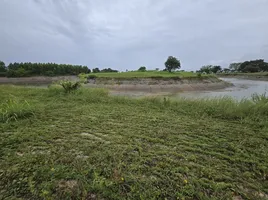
(170, 84)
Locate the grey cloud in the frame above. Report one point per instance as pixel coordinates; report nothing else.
(127, 34)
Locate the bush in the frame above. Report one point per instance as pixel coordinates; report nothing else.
(3, 74)
(142, 69)
(91, 76)
(12, 110)
(69, 86)
(11, 73)
(17, 73)
(49, 73)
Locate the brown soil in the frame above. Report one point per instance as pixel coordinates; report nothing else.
(160, 85)
(150, 85)
(36, 80)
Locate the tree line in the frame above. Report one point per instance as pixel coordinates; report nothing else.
(45, 69)
(52, 69)
(258, 65)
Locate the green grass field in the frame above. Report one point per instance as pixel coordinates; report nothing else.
(89, 145)
(148, 74)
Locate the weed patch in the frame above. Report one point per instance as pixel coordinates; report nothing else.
(12, 110)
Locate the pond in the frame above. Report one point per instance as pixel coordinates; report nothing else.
(242, 88)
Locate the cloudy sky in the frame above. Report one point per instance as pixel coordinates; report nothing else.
(125, 34)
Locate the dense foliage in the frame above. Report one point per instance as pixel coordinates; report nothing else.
(105, 70)
(251, 66)
(2, 69)
(210, 69)
(41, 69)
(172, 63)
(142, 69)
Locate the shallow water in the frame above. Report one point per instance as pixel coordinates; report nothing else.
(242, 89)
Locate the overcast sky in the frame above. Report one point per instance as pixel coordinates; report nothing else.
(125, 34)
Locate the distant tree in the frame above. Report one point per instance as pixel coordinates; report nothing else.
(44, 69)
(215, 69)
(96, 70)
(210, 69)
(108, 70)
(226, 70)
(253, 66)
(2, 66)
(86, 69)
(251, 69)
(234, 66)
(142, 69)
(157, 69)
(205, 69)
(172, 63)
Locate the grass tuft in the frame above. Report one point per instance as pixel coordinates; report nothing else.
(12, 110)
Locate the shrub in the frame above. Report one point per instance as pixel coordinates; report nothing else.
(17, 73)
(142, 69)
(69, 86)
(91, 76)
(49, 73)
(3, 74)
(12, 110)
(199, 74)
(11, 73)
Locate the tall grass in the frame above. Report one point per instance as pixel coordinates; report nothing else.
(254, 110)
(12, 110)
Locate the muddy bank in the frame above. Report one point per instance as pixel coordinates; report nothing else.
(249, 77)
(153, 85)
(148, 85)
(37, 80)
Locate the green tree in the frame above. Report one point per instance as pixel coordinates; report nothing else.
(142, 69)
(44, 69)
(210, 69)
(172, 63)
(253, 66)
(2, 66)
(96, 70)
(234, 66)
(226, 70)
(108, 70)
(215, 69)
(206, 69)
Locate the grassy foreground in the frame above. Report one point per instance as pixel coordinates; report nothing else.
(88, 145)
